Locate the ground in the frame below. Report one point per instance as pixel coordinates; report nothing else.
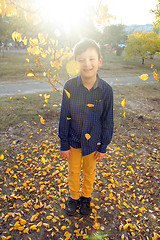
(125, 202)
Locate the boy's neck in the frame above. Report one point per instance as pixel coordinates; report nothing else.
(89, 82)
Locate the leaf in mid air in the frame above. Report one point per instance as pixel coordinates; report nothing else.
(68, 94)
(144, 77)
(123, 103)
(30, 75)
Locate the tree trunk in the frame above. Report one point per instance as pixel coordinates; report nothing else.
(142, 60)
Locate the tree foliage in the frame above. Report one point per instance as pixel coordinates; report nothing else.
(114, 34)
(48, 40)
(13, 23)
(142, 44)
(157, 14)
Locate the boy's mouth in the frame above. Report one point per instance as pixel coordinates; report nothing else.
(87, 70)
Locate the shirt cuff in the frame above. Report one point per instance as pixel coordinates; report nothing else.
(102, 149)
(65, 146)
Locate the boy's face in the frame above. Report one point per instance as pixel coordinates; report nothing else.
(89, 62)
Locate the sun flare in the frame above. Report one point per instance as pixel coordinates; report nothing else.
(67, 14)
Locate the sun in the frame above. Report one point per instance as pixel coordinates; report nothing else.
(67, 14)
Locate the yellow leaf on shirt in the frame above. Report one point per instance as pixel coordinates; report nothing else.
(90, 105)
(87, 136)
(68, 94)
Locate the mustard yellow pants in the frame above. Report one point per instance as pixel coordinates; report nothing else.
(88, 166)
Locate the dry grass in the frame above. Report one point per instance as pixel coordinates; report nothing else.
(117, 66)
(14, 65)
(18, 109)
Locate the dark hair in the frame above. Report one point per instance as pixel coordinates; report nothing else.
(83, 45)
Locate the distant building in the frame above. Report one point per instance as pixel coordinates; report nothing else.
(138, 28)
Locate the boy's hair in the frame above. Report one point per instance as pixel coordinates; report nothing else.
(83, 45)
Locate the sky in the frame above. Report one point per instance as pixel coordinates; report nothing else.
(129, 12)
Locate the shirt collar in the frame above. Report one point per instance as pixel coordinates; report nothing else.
(97, 83)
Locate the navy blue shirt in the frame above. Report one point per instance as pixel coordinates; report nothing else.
(86, 118)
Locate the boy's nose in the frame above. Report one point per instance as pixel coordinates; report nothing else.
(87, 62)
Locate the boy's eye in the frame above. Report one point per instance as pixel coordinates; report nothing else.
(80, 60)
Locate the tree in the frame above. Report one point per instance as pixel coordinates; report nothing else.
(47, 43)
(157, 14)
(142, 44)
(11, 24)
(114, 34)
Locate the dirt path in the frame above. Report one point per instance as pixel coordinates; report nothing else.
(30, 86)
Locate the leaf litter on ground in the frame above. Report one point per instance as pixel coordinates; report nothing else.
(125, 202)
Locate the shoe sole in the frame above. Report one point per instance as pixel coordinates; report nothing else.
(85, 215)
(72, 214)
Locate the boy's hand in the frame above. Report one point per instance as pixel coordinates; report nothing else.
(99, 156)
(66, 154)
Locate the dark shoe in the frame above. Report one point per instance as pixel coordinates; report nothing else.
(85, 208)
(71, 206)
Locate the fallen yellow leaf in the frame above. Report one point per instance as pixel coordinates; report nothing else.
(96, 226)
(2, 157)
(42, 120)
(62, 206)
(33, 227)
(63, 228)
(156, 236)
(26, 230)
(43, 160)
(21, 228)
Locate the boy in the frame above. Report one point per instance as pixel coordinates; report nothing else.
(86, 124)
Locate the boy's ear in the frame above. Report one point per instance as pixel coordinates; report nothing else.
(100, 62)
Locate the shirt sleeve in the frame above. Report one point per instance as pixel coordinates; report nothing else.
(64, 121)
(107, 121)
